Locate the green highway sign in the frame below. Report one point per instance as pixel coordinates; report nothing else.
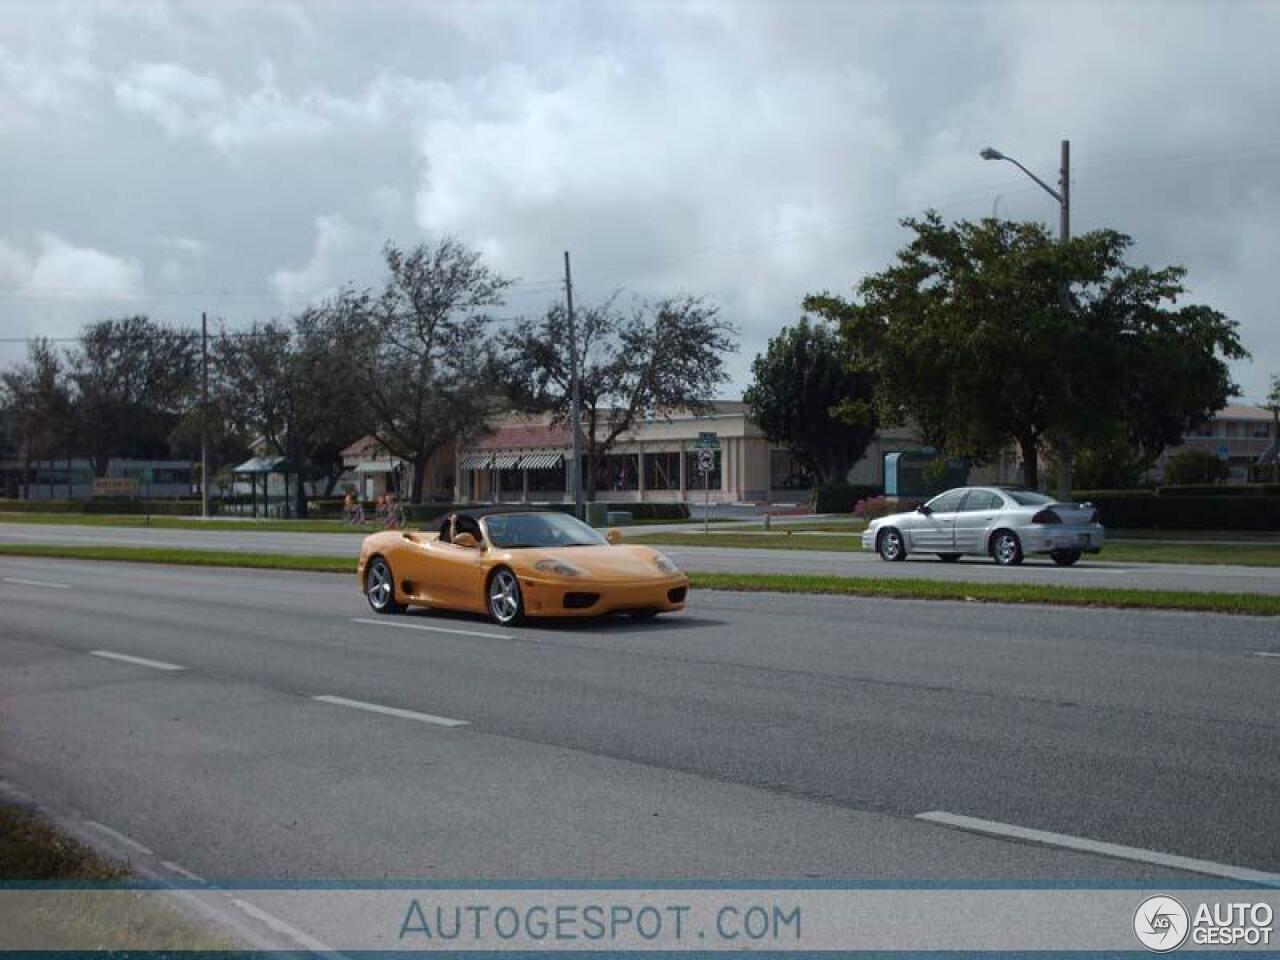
(708, 441)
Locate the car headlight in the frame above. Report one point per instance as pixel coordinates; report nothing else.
(664, 564)
(560, 568)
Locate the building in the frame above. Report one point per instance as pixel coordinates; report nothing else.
(1240, 434)
(525, 459)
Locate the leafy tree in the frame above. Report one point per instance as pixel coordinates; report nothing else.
(654, 360)
(975, 345)
(133, 381)
(420, 351)
(809, 396)
(36, 397)
(293, 386)
(1195, 466)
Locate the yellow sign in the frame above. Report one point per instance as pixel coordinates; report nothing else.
(115, 487)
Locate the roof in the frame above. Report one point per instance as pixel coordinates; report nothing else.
(366, 446)
(1241, 411)
(260, 465)
(524, 436)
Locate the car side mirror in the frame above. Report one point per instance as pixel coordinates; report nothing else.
(465, 540)
(613, 535)
(924, 508)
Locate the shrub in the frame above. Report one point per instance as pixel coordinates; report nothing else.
(1195, 466)
(873, 508)
(841, 497)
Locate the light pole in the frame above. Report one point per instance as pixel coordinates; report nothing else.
(1063, 196)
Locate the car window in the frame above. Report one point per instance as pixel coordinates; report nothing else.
(981, 500)
(1029, 498)
(515, 530)
(947, 502)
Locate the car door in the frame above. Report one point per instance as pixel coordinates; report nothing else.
(932, 532)
(453, 575)
(974, 519)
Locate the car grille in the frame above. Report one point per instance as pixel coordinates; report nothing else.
(676, 594)
(579, 601)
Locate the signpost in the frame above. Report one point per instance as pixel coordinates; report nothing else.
(707, 445)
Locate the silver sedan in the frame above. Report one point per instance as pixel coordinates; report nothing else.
(1004, 523)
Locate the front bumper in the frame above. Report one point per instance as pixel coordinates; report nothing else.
(1047, 538)
(547, 598)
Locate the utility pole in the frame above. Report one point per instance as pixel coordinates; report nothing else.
(575, 417)
(204, 415)
(1065, 453)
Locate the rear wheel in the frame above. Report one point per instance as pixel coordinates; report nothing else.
(379, 587)
(1064, 558)
(891, 545)
(1006, 548)
(948, 557)
(506, 604)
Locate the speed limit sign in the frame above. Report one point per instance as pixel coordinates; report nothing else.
(706, 460)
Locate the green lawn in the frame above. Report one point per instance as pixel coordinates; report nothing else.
(1250, 555)
(1235, 603)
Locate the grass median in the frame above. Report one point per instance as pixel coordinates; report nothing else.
(1251, 604)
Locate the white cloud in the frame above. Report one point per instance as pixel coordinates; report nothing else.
(322, 273)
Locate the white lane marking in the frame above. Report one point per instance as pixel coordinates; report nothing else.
(1267, 653)
(423, 626)
(37, 583)
(392, 711)
(279, 926)
(1116, 850)
(136, 661)
(127, 841)
(182, 871)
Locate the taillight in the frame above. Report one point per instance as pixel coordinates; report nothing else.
(1046, 516)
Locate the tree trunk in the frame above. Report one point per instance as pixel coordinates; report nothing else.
(592, 480)
(418, 490)
(1030, 464)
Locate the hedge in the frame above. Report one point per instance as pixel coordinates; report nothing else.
(841, 497)
(1152, 510)
(163, 508)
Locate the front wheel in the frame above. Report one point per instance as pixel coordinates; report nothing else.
(506, 604)
(1064, 558)
(892, 547)
(379, 587)
(1006, 548)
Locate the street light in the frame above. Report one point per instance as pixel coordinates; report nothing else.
(1063, 196)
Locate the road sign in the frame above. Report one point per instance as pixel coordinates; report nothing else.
(707, 441)
(706, 460)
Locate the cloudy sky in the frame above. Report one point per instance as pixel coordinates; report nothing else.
(244, 158)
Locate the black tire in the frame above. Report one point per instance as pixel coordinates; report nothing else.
(948, 557)
(1064, 558)
(642, 615)
(380, 587)
(1006, 548)
(503, 598)
(891, 546)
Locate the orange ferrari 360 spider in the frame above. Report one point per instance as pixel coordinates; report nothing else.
(513, 562)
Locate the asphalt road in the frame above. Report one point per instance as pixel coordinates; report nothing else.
(753, 736)
(1088, 572)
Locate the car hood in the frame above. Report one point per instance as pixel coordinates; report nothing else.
(618, 563)
(890, 519)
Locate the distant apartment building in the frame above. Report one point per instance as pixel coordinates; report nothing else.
(1238, 434)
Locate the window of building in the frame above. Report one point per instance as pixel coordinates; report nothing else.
(1233, 429)
(786, 473)
(662, 471)
(1262, 430)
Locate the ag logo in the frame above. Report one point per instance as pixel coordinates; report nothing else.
(1160, 924)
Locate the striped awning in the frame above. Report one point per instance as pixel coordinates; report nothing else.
(476, 461)
(504, 461)
(542, 461)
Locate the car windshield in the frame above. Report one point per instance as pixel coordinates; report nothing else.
(513, 530)
(1028, 498)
